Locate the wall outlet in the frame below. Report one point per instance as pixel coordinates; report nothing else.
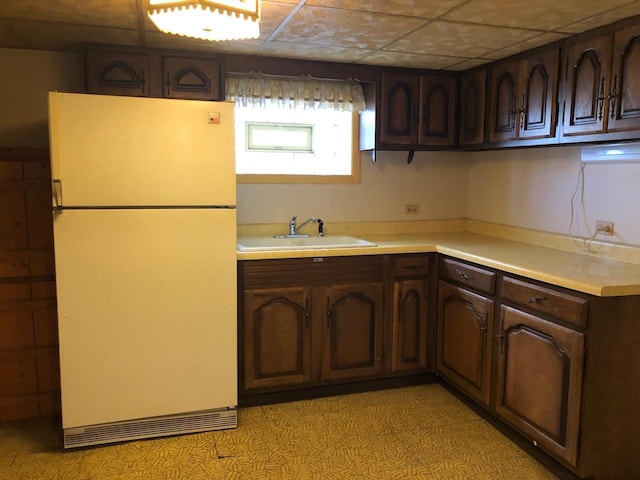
(604, 228)
(412, 209)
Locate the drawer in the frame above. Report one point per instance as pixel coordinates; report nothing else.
(464, 274)
(411, 265)
(563, 306)
(311, 271)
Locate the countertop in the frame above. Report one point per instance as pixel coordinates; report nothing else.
(584, 273)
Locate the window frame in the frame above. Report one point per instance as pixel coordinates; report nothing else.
(353, 178)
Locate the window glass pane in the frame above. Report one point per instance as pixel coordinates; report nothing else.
(294, 142)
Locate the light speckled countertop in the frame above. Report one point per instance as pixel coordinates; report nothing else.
(584, 273)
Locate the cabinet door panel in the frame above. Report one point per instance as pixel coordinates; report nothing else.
(277, 337)
(399, 119)
(117, 73)
(539, 381)
(624, 97)
(464, 338)
(472, 103)
(353, 331)
(589, 64)
(539, 95)
(437, 106)
(191, 78)
(410, 325)
(504, 95)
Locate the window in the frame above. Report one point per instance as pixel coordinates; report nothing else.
(296, 146)
(299, 130)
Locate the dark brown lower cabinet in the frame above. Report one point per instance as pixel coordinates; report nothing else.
(352, 346)
(277, 337)
(409, 325)
(539, 381)
(465, 326)
(560, 367)
(310, 322)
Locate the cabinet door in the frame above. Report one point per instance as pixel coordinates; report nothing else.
(586, 86)
(539, 381)
(437, 110)
(191, 78)
(538, 94)
(409, 330)
(277, 337)
(624, 95)
(399, 108)
(352, 344)
(503, 102)
(472, 101)
(465, 326)
(118, 73)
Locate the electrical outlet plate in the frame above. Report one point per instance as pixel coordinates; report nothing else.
(604, 228)
(412, 209)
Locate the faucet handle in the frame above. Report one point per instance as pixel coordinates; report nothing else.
(320, 227)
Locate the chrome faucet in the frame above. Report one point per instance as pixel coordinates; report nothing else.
(294, 228)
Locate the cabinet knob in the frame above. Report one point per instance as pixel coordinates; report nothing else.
(537, 299)
(462, 274)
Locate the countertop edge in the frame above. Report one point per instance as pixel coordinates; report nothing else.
(506, 255)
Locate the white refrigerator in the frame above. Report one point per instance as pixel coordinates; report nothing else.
(144, 196)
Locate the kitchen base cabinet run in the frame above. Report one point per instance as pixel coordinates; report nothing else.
(314, 326)
(310, 321)
(565, 366)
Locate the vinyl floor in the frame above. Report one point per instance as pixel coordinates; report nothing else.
(420, 432)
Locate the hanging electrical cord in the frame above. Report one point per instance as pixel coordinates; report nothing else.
(582, 243)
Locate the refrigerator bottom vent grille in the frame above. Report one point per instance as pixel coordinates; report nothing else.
(150, 427)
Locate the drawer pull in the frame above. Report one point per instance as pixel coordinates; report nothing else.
(413, 267)
(462, 274)
(537, 299)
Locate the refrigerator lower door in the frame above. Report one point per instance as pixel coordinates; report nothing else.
(147, 313)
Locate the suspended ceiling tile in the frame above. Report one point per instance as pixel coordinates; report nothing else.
(424, 9)
(459, 39)
(412, 60)
(538, 14)
(69, 37)
(106, 13)
(311, 52)
(538, 41)
(604, 18)
(469, 63)
(332, 27)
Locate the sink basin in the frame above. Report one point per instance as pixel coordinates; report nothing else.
(248, 244)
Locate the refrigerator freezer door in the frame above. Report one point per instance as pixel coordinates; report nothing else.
(147, 312)
(123, 151)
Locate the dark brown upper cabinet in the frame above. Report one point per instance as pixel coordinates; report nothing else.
(523, 97)
(118, 73)
(153, 74)
(191, 78)
(416, 110)
(472, 103)
(602, 84)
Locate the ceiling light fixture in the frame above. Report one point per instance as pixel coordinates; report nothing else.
(207, 19)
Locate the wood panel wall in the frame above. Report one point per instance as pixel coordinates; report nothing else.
(29, 366)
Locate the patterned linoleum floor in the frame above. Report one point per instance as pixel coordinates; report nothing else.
(420, 432)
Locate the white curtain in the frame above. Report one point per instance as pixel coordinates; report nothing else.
(305, 92)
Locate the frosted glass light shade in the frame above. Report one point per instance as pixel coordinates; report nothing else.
(206, 19)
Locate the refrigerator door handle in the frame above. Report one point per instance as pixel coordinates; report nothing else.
(56, 194)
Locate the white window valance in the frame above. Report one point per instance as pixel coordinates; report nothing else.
(304, 92)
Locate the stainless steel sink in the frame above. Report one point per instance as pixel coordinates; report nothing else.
(247, 244)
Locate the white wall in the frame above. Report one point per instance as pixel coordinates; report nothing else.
(26, 76)
(436, 181)
(532, 188)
